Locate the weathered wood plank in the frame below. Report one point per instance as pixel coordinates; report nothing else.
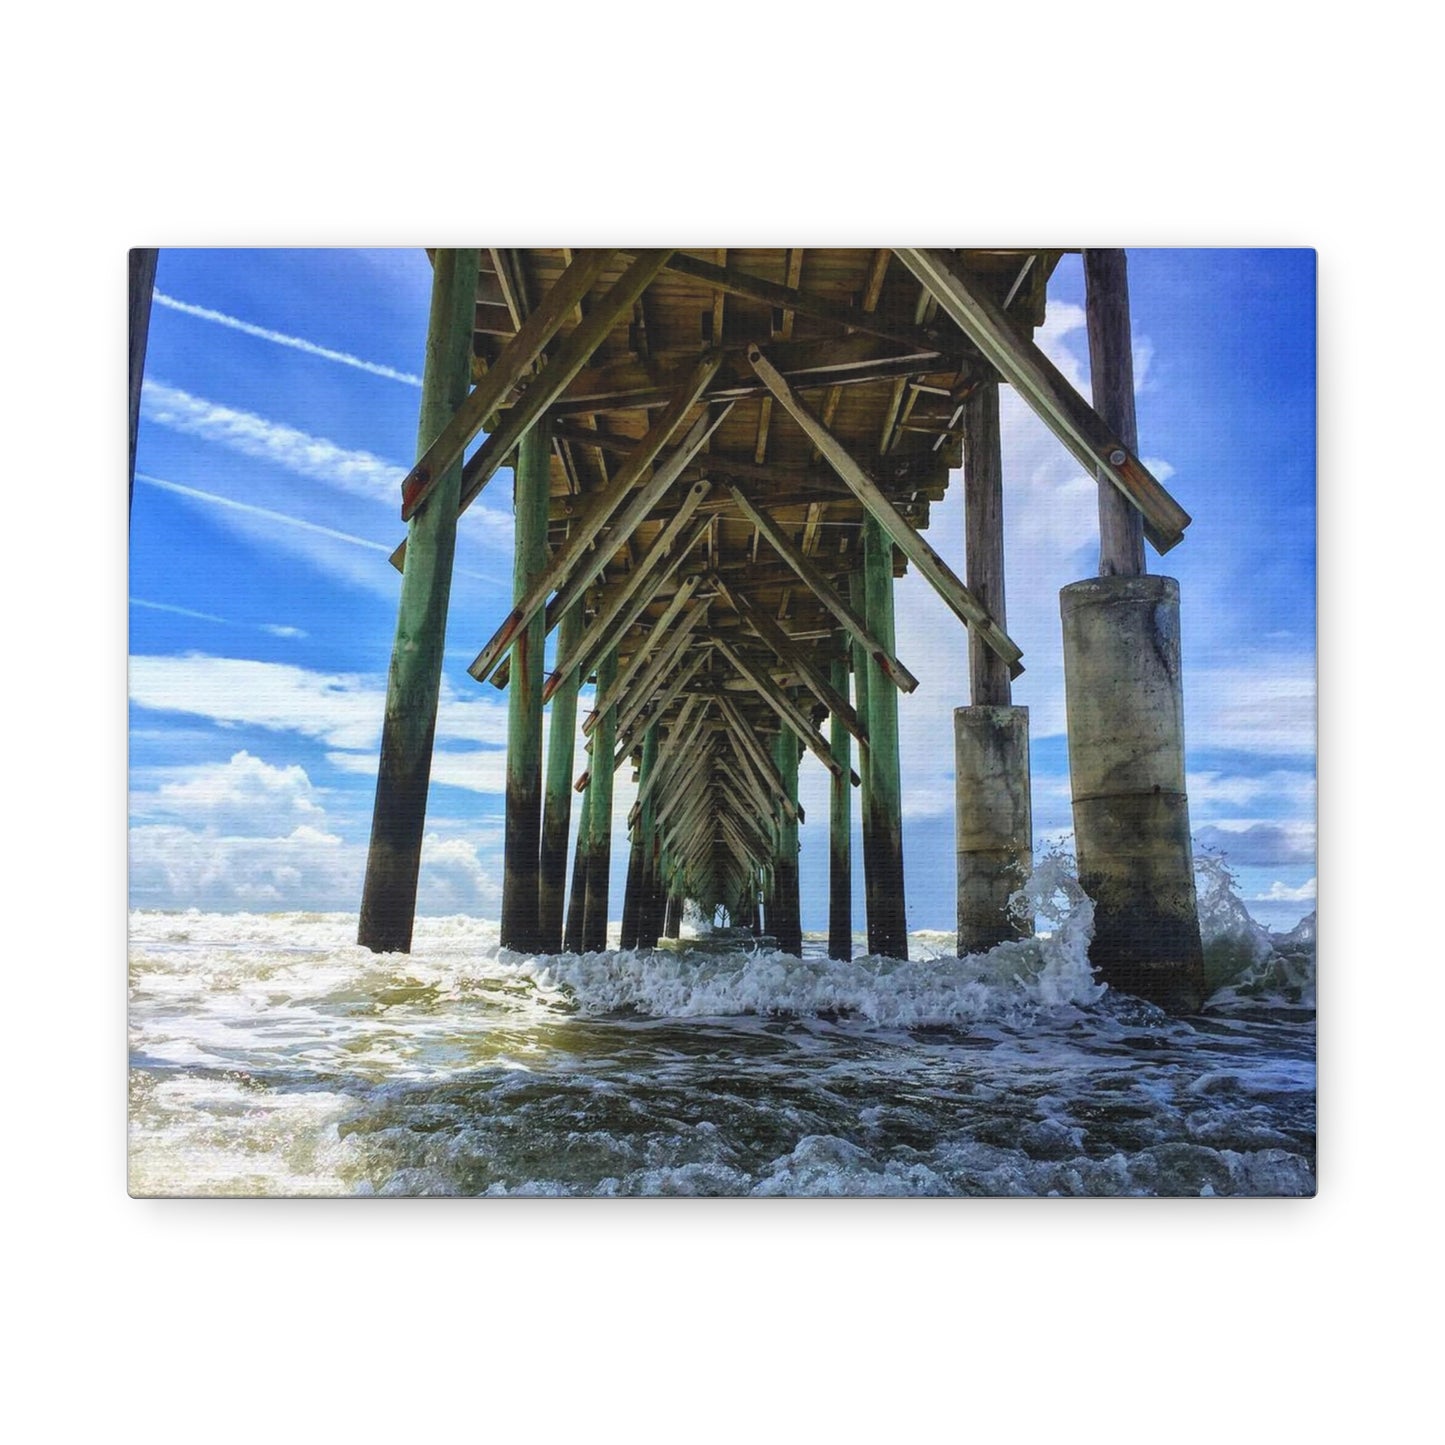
(1111, 375)
(521, 853)
(573, 568)
(789, 298)
(825, 592)
(1094, 443)
(965, 606)
(393, 860)
(504, 374)
(988, 673)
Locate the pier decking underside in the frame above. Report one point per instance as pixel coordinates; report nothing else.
(721, 639)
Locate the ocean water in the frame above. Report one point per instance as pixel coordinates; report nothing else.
(272, 1056)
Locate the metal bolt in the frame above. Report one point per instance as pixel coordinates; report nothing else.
(1117, 457)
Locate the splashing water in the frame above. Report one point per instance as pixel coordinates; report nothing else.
(271, 1055)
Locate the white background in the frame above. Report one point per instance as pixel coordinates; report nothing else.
(170, 124)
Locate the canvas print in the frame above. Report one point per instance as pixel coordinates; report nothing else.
(722, 722)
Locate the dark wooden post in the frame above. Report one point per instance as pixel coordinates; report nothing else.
(388, 899)
(786, 923)
(649, 914)
(521, 888)
(557, 794)
(599, 816)
(882, 783)
(142, 287)
(1111, 367)
(994, 817)
(672, 924)
(840, 831)
(988, 673)
(857, 596)
(577, 899)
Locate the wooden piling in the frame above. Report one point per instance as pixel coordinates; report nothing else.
(650, 901)
(786, 923)
(388, 901)
(1111, 367)
(840, 829)
(142, 269)
(882, 783)
(989, 682)
(577, 898)
(599, 818)
(557, 795)
(521, 888)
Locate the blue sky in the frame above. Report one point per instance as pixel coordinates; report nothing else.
(280, 413)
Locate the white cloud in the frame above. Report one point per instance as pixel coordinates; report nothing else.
(1211, 790)
(298, 343)
(481, 770)
(242, 794)
(1265, 706)
(342, 710)
(277, 629)
(1260, 844)
(1281, 893)
(361, 473)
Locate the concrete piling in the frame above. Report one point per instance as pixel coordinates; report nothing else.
(994, 822)
(1125, 703)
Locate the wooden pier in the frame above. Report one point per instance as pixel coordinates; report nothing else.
(722, 461)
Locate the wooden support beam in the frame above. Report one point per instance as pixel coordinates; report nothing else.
(521, 891)
(988, 674)
(502, 376)
(825, 592)
(571, 356)
(573, 568)
(965, 606)
(655, 684)
(845, 361)
(794, 657)
(620, 611)
(786, 924)
(577, 898)
(742, 733)
(789, 298)
(640, 654)
(557, 797)
(1111, 374)
(781, 704)
(141, 267)
(599, 828)
(840, 834)
(883, 790)
(1096, 445)
(388, 899)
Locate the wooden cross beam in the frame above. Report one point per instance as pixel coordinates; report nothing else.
(842, 361)
(742, 733)
(665, 698)
(789, 298)
(826, 593)
(776, 803)
(1020, 362)
(655, 634)
(570, 358)
(572, 569)
(649, 674)
(783, 705)
(965, 606)
(619, 612)
(793, 656)
(489, 393)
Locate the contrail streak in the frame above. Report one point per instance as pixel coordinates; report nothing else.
(297, 343)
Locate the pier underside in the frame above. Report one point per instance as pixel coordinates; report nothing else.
(722, 459)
